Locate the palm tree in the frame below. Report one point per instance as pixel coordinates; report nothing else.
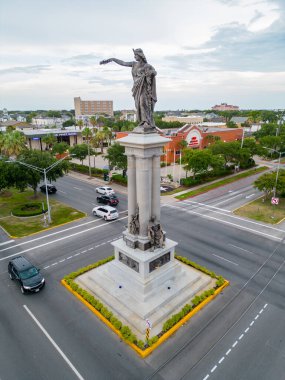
(13, 143)
(49, 140)
(93, 121)
(80, 124)
(87, 133)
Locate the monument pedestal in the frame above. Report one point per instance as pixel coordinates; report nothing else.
(144, 285)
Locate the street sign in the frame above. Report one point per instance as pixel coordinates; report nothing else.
(274, 201)
(148, 324)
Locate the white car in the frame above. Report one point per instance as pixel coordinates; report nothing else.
(105, 190)
(106, 212)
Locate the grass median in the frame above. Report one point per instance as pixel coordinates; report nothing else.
(222, 182)
(23, 226)
(263, 211)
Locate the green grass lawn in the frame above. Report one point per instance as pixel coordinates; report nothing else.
(19, 227)
(263, 211)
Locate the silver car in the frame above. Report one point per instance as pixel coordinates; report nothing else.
(105, 190)
(106, 212)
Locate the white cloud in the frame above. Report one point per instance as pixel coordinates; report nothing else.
(53, 48)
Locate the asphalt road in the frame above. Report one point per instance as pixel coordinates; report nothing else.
(50, 335)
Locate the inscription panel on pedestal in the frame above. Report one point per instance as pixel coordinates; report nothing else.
(131, 263)
(157, 263)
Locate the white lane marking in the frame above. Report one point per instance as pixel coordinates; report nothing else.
(213, 369)
(6, 242)
(60, 191)
(233, 224)
(256, 317)
(265, 306)
(77, 188)
(246, 330)
(53, 343)
(46, 267)
(226, 200)
(232, 191)
(249, 196)
(222, 258)
(227, 353)
(61, 261)
(206, 377)
(221, 360)
(77, 254)
(58, 232)
(261, 311)
(53, 264)
(235, 343)
(229, 215)
(69, 257)
(62, 238)
(84, 251)
(251, 323)
(242, 249)
(241, 336)
(205, 205)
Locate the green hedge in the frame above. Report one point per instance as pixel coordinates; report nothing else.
(118, 178)
(95, 172)
(125, 330)
(29, 209)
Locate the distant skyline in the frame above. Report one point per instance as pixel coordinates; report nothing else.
(205, 52)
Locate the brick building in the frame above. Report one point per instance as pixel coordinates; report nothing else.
(196, 136)
(225, 107)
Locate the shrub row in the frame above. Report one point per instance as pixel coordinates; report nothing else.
(125, 331)
(118, 178)
(95, 172)
(28, 209)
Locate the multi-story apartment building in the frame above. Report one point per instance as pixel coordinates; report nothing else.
(225, 107)
(92, 107)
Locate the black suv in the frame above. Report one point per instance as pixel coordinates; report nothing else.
(28, 276)
(50, 188)
(110, 200)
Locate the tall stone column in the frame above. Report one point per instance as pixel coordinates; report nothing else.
(143, 177)
(155, 199)
(132, 188)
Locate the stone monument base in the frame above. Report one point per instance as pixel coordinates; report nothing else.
(137, 285)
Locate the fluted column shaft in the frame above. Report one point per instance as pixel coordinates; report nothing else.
(132, 188)
(144, 186)
(155, 198)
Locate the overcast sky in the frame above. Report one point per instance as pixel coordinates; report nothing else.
(204, 51)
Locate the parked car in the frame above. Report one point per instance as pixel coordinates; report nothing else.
(26, 274)
(50, 188)
(105, 212)
(110, 200)
(105, 190)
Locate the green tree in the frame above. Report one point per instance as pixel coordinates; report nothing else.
(79, 151)
(5, 177)
(54, 114)
(68, 123)
(266, 183)
(80, 124)
(231, 124)
(271, 142)
(40, 160)
(60, 148)
(116, 156)
(49, 140)
(13, 143)
(87, 133)
(197, 161)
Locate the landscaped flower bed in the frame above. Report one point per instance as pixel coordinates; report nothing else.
(169, 327)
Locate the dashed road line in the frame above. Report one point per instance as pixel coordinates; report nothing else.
(235, 343)
(79, 253)
(222, 258)
(221, 360)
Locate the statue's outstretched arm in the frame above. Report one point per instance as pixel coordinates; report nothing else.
(118, 61)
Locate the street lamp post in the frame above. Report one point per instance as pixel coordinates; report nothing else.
(278, 167)
(44, 171)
